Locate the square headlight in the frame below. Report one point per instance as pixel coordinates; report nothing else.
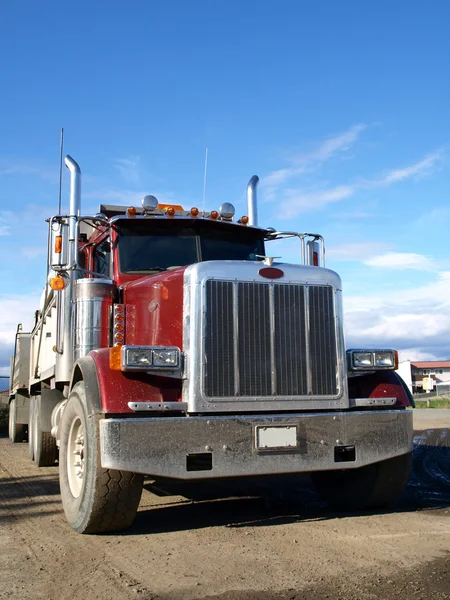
(137, 357)
(166, 358)
(362, 359)
(384, 359)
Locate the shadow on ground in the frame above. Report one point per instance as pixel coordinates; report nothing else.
(262, 502)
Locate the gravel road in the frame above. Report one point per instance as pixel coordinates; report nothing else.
(270, 541)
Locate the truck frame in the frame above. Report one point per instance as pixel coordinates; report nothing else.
(169, 344)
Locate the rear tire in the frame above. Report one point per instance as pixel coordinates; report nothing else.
(374, 486)
(95, 500)
(44, 445)
(16, 430)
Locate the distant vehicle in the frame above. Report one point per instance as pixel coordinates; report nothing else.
(169, 343)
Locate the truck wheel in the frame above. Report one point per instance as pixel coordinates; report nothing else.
(95, 500)
(16, 430)
(31, 429)
(44, 445)
(374, 486)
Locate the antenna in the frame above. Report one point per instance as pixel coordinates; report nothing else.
(61, 146)
(204, 178)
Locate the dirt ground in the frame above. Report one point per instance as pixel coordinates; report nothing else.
(273, 540)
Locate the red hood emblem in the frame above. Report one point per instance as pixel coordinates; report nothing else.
(271, 273)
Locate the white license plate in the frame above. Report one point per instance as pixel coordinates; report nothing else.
(277, 437)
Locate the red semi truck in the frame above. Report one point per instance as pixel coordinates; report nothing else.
(169, 343)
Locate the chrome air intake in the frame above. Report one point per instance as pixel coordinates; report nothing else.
(93, 309)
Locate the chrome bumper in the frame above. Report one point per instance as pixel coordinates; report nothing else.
(225, 446)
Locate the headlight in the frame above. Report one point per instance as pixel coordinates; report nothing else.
(137, 357)
(362, 359)
(166, 358)
(372, 360)
(151, 359)
(384, 359)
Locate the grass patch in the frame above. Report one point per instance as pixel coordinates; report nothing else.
(435, 402)
(4, 415)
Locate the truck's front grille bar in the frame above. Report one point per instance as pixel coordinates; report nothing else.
(269, 340)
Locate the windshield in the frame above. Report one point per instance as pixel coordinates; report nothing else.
(153, 246)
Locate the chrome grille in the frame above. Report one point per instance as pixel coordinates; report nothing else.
(269, 340)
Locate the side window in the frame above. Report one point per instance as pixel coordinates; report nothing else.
(102, 255)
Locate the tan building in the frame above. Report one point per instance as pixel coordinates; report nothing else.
(426, 376)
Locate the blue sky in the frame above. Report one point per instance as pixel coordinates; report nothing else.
(341, 108)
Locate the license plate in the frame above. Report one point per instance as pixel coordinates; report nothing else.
(276, 438)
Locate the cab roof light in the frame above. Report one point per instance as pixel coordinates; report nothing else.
(194, 211)
(227, 211)
(243, 220)
(149, 203)
(214, 214)
(131, 212)
(170, 212)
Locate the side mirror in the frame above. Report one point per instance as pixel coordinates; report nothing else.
(59, 244)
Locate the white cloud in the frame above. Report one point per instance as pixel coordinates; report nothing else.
(304, 163)
(301, 200)
(401, 260)
(33, 251)
(15, 308)
(129, 169)
(355, 250)
(413, 354)
(25, 167)
(298, 201)
(127, 197)
(417, 318)
(419, 169)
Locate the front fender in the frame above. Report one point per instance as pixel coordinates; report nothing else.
(111, 390)
(381, 384)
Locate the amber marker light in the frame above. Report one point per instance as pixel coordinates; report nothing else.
(244, 220)
(118, 337)
(57, 283)
(194, 211)
(214, 214)
(58, 244)
(114, 357)
(170, 211)
(131, 211)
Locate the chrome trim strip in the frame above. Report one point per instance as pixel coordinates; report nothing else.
(307, 342)
(272, 338)
(158, 406)
(364, 402)
(237, 379)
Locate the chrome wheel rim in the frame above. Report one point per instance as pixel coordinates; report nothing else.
(75, 457)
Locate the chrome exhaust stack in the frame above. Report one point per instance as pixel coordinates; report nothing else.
(65, 357)
(252, 206)
(75, 196)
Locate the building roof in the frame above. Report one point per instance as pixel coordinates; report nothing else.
(431, 364)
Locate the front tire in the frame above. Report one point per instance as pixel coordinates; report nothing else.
(95, 500)
(374, 486)
(16, 430)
